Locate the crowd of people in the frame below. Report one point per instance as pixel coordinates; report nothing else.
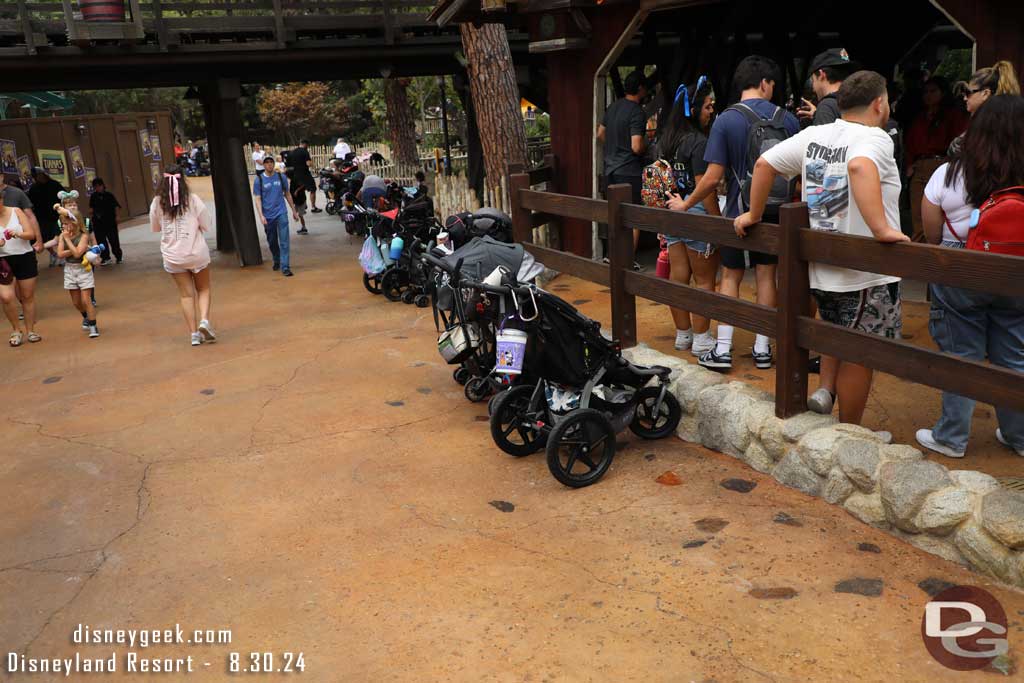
(841, 153)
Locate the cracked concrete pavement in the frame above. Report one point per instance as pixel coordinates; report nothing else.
(266, 484)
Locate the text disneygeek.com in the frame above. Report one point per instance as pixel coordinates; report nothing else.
(113, 661)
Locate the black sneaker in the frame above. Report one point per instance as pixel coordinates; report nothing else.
(303, 231)
(316, 210)
(763, 361)
(277, 266)
(716, 361)
(287, 272)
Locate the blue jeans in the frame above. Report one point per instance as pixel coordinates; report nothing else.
(973, 325)
(278, 239)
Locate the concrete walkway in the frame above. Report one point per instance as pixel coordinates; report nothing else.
(315, 482)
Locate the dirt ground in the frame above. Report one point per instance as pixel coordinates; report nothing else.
(316, 482)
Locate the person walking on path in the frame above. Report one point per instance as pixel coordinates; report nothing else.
(623, 133)
(257, 158)
(967, 323)
(730, 155)
(342, 150)
(853, 158)
(72, 243)
(301, 163)
(18, 271)
(104, 207)
(182, 220)
(273, 198)
(44, 194)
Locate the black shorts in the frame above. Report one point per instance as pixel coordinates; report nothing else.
(23, 266)
(306, 181)
(633, 181)
(733, 258)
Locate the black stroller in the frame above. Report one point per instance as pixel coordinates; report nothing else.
(586, 393)
(413, 223)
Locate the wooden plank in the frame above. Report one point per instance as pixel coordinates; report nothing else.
(763, 237)
(570, 264)
(565, 205)
(621, 257)
(539, 219)
(793, 302)
(930, 263)
(221, 24)
(389, 26)
(278, 23)
(162, 37)
(522, 230)
(557, 45)
(745, 314)
(26, 27)
(541, 174)
(69, 21)
(136, 12)
(980, 381)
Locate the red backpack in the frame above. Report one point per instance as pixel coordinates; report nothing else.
(999, 228)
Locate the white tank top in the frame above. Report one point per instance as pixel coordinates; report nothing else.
(16, 246)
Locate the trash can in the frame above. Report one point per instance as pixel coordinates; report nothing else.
(102, 10)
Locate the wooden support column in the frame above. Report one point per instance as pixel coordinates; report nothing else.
(522, 225)
(620, 257)
(236, 220)
(794, 301)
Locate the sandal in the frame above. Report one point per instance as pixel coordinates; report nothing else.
(34, 337)
(15, 339)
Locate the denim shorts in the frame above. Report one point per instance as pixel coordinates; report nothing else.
(703, 248)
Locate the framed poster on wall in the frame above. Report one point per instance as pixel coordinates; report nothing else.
(8, 156)
(77, 162)
(55, 165)
(154, 171)
(90, 175)
(147, 149)
(154, 143)
(25, 172)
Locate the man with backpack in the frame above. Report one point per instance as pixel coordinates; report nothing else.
(272, 201)
(738, 137)
(851, 184)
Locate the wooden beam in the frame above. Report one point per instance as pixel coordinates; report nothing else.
(558, 45)
(621, 258)
(565, 205)
(26, 27)
(764, 237)
(571, 264)
(794, 302)
(278, 23)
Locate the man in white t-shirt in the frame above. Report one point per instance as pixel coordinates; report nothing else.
(341, 150)
(852, 186)
(257, 157)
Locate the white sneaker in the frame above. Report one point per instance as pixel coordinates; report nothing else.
(925, 438)
(684, 340)
(702, 345)
(197, 339)
(821, 401)
(207, 331)
(93, 331)
(999, 435)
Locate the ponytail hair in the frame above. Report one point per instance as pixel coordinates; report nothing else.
(999, 79)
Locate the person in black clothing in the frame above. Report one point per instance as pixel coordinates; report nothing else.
(43, 195)
(828, 71)
(104, 207)
(623, 133)
(300, 161)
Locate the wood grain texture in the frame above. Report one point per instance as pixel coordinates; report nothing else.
(571, 264)
(763, 237)
(565, 205)
(621, 257)
(793, 301)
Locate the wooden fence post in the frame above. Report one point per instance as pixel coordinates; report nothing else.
(522, 224)
(793, 302)
(620, 256)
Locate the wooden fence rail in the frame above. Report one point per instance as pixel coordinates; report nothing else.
(795, 331)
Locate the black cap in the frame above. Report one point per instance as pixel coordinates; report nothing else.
(39, 170)
(836, 56)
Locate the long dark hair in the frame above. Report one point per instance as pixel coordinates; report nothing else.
(679, 124)
(992, 157)
(163, 191)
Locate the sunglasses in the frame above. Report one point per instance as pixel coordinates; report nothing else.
(971, 91)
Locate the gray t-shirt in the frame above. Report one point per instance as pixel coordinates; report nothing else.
(827, 111)
(16, 198)
(622, 121)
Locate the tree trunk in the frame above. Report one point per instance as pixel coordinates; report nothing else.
(492, 81)
(401, 122)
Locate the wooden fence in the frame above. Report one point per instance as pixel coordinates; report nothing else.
(795, 330)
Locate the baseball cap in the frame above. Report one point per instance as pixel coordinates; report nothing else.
(39, 170)
(837, 56)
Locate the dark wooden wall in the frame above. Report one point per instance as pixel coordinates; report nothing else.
(997, 27)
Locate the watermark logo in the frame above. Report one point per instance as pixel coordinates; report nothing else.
(964, 628)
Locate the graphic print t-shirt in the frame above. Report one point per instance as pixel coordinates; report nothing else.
(821, 154)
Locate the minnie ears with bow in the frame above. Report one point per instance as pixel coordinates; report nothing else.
(67, 195)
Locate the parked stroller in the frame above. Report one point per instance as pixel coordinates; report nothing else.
(586, 393)
(472, 319)
(335, 183)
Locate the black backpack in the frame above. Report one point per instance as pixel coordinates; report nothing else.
(762, 135)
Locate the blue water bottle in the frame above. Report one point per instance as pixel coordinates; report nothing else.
(396, 248)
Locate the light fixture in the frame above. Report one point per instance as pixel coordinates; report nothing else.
(80, 127)
(150, 123)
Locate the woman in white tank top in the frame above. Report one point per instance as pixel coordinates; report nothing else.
(17, 271)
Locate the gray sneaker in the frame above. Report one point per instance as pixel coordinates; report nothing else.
(927, 439)
(821, 401)
(207, 331)
(197, 339)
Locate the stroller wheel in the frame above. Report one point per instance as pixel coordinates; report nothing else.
(461, 375)
(422, 301)
(393, 284)
(477, 389)
(331, 208)
(581, 447)
(408, 296)
(509, 412)
(648, 425)
(372, 283)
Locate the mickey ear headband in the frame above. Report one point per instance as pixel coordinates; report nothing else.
(67, 195)
(682, 92)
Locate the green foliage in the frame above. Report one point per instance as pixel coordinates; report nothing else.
(955, 66)
(303, 110)
(539, 127)
(187, 114)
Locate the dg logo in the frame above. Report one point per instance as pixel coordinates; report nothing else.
(964, 628)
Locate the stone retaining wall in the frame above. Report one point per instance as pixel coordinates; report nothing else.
(963, 516)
